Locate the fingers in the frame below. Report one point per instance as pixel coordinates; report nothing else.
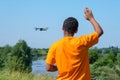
(87, 10)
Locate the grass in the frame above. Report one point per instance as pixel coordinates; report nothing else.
(100, 73)
(104, 73)
(7, 75)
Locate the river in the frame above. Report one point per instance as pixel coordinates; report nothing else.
(38, 67)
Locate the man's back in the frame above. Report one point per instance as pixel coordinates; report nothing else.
(71, 56)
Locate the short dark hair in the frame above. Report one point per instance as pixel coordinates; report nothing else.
(70, 25)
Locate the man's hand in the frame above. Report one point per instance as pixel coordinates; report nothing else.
(88, 14)
(51, 68)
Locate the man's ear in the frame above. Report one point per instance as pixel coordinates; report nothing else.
(62, 28)
(76, 31)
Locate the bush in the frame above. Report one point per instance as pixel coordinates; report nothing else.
(20, 58)
(93, 55)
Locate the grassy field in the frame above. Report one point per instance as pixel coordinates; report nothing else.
(7, 75)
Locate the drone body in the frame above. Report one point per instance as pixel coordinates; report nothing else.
(41, 29)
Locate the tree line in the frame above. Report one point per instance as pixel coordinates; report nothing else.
(103, 61)
(20, 56)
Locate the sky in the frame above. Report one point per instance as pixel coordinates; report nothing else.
(18, 18)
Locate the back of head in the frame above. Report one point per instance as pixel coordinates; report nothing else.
(70, 25)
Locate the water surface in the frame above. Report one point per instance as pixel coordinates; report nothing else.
(38, 67)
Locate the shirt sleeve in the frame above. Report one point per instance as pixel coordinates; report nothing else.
(51, 55)
(91, 39)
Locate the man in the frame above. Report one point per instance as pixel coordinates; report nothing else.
(70, 54)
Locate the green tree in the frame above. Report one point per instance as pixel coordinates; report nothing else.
(118, 64)
(112, 58)
(107, 60)
(93, 55)
(20, 58)
(1, 58)
(4, 55)
(118, 59)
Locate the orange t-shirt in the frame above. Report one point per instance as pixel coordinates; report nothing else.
(71, 57)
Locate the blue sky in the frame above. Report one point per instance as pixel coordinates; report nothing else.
(18, 18)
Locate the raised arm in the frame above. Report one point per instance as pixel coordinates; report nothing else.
(89, 16)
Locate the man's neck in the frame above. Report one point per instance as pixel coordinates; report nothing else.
(66, 34)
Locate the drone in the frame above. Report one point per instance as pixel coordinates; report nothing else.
(41, 29)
